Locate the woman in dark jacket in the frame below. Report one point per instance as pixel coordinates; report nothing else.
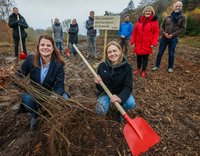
(116, 73)
(73, 34)
(46, 68)
(144, 38)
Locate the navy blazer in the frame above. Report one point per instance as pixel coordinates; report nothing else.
(54, 80)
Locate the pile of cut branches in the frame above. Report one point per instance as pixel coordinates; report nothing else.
(72, 127)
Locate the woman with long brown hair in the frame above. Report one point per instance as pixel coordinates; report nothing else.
(46, 68)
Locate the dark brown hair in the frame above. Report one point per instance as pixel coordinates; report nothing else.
(55, 55)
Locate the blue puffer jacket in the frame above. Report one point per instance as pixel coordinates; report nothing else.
(126, 29)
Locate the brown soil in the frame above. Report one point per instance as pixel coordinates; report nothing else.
(168, 102)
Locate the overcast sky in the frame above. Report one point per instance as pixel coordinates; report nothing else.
(38, 13)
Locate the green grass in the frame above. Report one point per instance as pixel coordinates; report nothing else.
(191, 41)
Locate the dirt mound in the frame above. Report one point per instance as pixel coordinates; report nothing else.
(6, 32)
(168, 102)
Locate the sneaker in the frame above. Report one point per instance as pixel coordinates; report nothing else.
(32, 123)
(95, 55)
(136, 72)
(170, 70)
(143, 74)
(154, 69)
(87, 55)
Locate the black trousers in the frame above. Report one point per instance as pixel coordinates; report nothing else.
(142, 61)
(16, 42)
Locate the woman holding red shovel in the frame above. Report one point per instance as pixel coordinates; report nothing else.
(116, 73)
(46, 68)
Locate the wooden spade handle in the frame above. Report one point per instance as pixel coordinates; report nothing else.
(119, 107)
(20, 36)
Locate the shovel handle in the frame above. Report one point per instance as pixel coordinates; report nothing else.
(20, 36)
(52, 28)
(119, 107)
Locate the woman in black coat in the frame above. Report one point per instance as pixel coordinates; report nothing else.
(116, 73)
(46, 68)
(73, 34)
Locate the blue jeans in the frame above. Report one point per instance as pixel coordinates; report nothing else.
(29, 102)
(171, 43)
(59, 46)
(103, 104)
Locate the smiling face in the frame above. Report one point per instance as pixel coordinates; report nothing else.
(178, 6)
(127, 18)
(113, 54)
(15, 11)
(148, 12)
(45, 48)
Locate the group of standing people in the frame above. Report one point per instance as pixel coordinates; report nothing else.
(72, 32)
(146, 34)
(46, 66)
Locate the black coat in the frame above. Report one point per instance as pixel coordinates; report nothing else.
(54, 79)
(73, 33)
(13, 23)
(118, 78)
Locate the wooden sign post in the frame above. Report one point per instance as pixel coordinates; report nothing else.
(106, 23)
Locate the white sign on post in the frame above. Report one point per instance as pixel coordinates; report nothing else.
(106, 22)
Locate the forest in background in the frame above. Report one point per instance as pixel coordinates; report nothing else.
(162, 8)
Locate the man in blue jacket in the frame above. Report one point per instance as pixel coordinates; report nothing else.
(125, 32)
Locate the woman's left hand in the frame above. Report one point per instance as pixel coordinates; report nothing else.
(114, 98)
(97, 79)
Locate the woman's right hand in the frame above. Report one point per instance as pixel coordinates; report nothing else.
(97, 79)
(132, 45)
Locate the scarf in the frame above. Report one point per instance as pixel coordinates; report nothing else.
(176, 16)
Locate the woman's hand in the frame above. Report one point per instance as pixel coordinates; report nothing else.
(132, 45)
(97, 79)
(114, 98)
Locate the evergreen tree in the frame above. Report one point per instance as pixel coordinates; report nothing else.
(131, 5)
(144, 3)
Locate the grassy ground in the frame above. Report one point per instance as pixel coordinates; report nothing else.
(191, 41)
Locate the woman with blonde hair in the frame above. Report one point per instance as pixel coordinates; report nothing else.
(144, 38)
(116, 73)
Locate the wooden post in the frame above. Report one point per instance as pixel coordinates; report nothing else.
(105, 43)
(52, 28)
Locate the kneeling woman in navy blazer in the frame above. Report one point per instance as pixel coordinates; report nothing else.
(46, 68)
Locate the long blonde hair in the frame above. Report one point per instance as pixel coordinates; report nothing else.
(120, 49)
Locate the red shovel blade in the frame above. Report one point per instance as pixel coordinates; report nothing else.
(67, 52)
(22, 55)
(139, 135)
